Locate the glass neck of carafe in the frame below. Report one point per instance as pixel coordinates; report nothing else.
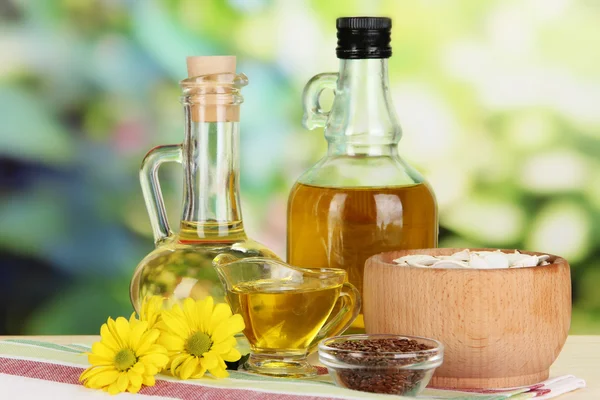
(211, 201)
(362, 120)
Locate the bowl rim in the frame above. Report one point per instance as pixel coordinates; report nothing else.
(439, 349)
(555, 260)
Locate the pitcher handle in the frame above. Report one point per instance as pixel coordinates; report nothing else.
(351, 303)
(314, 116)
(151, 187)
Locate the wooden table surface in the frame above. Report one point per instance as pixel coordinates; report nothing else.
(579, 357)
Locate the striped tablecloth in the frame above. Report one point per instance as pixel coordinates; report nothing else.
(32, 369)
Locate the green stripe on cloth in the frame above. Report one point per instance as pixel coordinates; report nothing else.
(42, 353)
(79, 347)
(46, 345)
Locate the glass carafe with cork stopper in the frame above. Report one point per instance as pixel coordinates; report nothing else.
(211, 225)
(362, 198)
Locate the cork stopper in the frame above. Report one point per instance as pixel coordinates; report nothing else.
(210, 65)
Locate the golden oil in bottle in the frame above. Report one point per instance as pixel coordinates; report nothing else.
(342, 227)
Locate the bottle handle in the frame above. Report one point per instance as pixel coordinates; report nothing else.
(314, 116)
(348, 311)
(151, 187)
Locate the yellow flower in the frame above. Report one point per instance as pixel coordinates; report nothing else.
(151, 309)
(199, 337)
(126, 357)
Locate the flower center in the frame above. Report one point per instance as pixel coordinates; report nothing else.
(198, 344)
(125, 359)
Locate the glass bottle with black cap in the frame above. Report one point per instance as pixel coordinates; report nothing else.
(361, 198)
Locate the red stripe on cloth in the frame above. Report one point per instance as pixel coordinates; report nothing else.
(67, 374)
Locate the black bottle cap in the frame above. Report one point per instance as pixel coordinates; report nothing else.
(363, 37)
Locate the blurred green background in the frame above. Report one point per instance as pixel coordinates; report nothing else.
(499, 101)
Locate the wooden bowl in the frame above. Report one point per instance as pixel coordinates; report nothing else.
(500, 327)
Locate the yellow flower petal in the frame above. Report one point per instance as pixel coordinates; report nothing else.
(148, 380)
(228, 340)
(99, 360)
(112, 327)
(134, 388)
(177, 361)
(205, 308)
(147, 340)
(221, 312)
(171, 342)
(232, 356)
(152, 369)
(209, 360)
(133, 318)
(151, 309)
(229, 327)
(178, 311)
(138, 368)
(100, 349)
(157, 348)
(220, 348)
(159, 360)
(85, 374)
(113, 388)
(175, 325)
(104, 378)
(134, 377)
(108, 338)
(187, 368)
(200, 371)
(219, 372)
(190, 311)
(122, 382)
(94, 370)
(137, 330)
(160, 325)
(123, 330)
(235, 324)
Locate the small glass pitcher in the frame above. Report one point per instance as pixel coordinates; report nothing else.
(286, 310)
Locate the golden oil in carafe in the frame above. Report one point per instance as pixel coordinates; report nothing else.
(213, 231)
(283, 315)
(342, 227)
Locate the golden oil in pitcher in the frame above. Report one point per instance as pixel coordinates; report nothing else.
(283, 315)
(287, 310)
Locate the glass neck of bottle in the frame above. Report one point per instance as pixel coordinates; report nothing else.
(362, 120)
(211, 202)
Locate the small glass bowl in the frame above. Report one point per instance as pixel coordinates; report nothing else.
(381, 372)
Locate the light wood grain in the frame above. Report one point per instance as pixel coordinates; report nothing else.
(500, 328)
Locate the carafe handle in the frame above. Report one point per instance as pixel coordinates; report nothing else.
(314, 116)
(151, 187)
(349, 308)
